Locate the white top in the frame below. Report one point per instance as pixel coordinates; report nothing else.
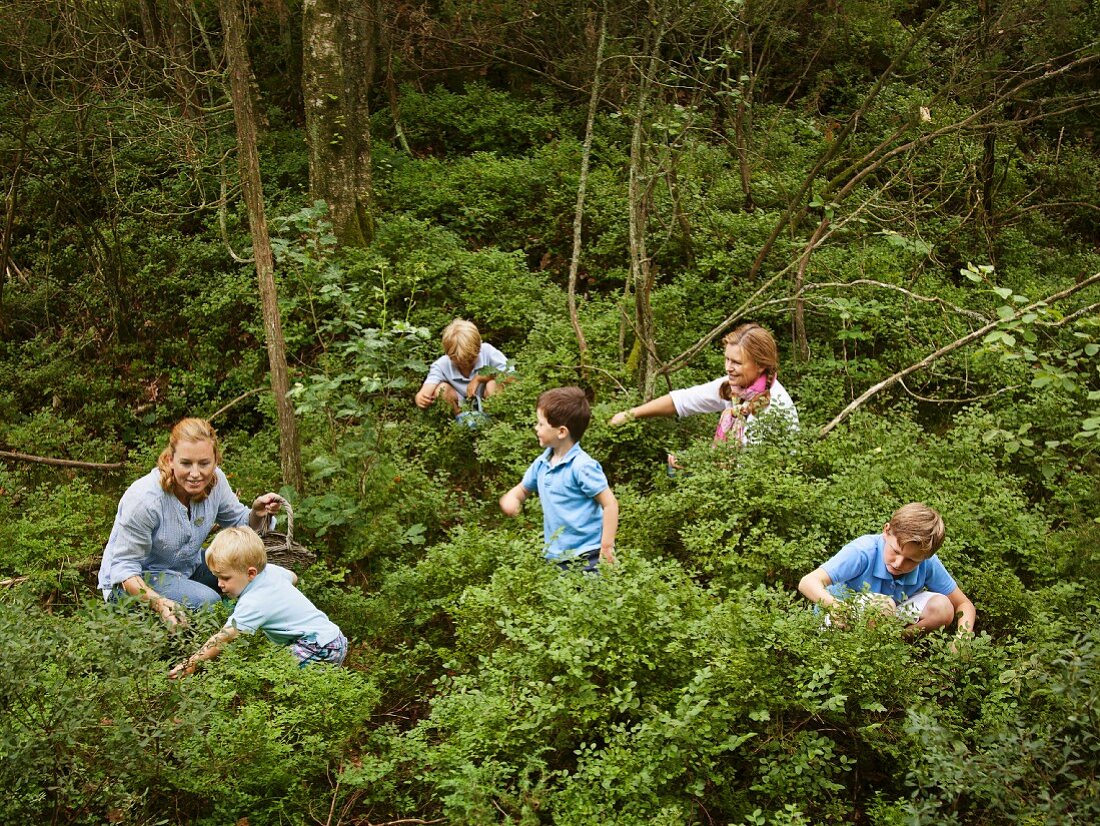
(705, 398)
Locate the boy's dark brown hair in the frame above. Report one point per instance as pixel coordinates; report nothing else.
(566, 406)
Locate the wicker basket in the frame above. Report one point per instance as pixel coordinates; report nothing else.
(281, 547)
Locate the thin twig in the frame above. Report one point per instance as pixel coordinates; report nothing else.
(949, 348)
(981, 398)
(239, 398)
(45, 460)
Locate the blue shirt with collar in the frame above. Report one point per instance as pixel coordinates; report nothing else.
(860, 564)
(572, 519)
(444, 371)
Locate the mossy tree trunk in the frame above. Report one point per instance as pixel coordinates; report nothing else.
(339, 44)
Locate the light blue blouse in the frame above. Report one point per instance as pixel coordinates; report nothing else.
(444, 370)
(153, 530)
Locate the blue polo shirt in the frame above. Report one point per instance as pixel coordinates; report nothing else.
(572, 520)
(860, 563)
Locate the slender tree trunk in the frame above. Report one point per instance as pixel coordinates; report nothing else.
(582, 185)
(801, 342)
(244, 114)
(340, 40)
(987, 170)
(9, 219)
(177, 37)
(742, 125)
(641, 270)
(385, 57)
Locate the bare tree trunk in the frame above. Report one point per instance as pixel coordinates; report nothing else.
(641, 271)
(987, 170)
(385, 56)
(340, 40)
(9, 219)
(244, 114)
(801, 342)
(742, 126)
(582, 185)
(177, 37)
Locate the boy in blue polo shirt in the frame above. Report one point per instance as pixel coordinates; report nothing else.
(897, 572)
(580, 514)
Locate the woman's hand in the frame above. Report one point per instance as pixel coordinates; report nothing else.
(267, 505)
(166, 610)
(622, 417)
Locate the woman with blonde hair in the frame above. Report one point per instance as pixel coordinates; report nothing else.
(154, 552)
(749, 390)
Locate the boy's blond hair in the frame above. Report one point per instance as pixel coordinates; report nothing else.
(920, 525)
(236, 549)
(461, 341)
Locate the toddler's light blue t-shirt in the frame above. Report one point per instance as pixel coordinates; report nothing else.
(270, 603)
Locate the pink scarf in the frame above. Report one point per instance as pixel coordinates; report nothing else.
(733, 418)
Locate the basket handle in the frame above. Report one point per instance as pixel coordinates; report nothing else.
(289, 521)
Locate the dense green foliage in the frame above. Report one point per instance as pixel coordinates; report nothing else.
(924, 200)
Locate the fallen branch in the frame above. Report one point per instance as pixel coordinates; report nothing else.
(231, 404)
(6, 583)
(949, 348)
(45, 460)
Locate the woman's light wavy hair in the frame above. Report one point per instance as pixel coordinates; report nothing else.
(188, 430)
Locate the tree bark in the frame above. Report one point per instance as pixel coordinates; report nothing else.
(582, 184)
(244, 114)
(340, 42)
(801, 342)
(9, 219)
(638, 189)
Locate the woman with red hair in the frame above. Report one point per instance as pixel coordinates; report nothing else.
(154, 552)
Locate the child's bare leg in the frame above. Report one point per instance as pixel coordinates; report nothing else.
(491, 387)
(937, 613)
